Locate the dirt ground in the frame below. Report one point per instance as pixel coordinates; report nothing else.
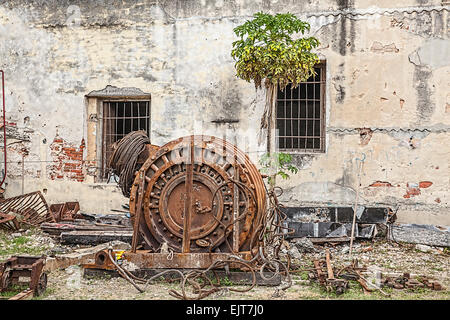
(380, 256)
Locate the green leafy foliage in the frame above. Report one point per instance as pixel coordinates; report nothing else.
(277, 164)
(266, 51)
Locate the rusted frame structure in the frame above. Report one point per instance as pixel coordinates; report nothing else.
(30, 208)
(14, 270)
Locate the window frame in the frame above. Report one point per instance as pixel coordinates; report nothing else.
(322, 119)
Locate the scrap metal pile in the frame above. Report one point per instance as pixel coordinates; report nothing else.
(29, 209)
(337, 279)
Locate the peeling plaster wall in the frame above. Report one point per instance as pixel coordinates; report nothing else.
(388, 101)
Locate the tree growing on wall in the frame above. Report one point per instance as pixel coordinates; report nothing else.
(267, 54)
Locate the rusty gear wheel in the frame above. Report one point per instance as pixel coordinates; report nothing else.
(225, 185)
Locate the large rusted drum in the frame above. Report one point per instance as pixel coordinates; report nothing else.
(197, 194)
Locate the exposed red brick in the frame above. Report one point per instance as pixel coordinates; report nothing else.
(381, 184)
(411, 191)
(425, 184)
(438, 200)
(67, 160)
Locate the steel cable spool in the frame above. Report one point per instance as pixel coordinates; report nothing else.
(124, 158)
(228, 197)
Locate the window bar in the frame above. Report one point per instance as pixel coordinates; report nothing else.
(131, 118)
(108, 129)
(147, 116)
(103, 146)
(108, 125)
(322, 111)
(306, 121)
(292, 122)
(123, 120)
(314, 113)
(298, 116)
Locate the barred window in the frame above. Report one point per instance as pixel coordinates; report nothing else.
(119, 119)
(300, 115)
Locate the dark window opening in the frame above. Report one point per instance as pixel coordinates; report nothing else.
(119, 119)
(300, 115)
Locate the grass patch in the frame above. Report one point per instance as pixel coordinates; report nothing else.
(18, 245)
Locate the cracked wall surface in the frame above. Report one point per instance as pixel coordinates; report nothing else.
(387, 94)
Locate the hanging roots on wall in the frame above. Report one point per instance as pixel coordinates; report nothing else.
(198, 284)
(124, 158)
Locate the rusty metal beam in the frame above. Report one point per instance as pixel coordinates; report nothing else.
(137, 218)
(190, 260)
(188, 200)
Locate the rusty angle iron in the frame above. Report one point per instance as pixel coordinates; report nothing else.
(200, 197)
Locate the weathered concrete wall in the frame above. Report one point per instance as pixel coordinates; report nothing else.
(387, 71)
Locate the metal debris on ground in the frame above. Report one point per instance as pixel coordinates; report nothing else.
(338, 281)
(335, 224)
(405, 281)
(91, 229)
(324, 273)
(55, 229)
(332, 283)
(24, 271)
(67, 211)
(8, 222)
(29, 209)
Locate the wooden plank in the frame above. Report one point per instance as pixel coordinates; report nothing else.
(57, 228)
(24, 295)
(95, 237)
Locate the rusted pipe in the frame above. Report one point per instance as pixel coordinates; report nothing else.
(4, 124)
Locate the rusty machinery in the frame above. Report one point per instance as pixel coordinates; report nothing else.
(198, 198)
(23, 270)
